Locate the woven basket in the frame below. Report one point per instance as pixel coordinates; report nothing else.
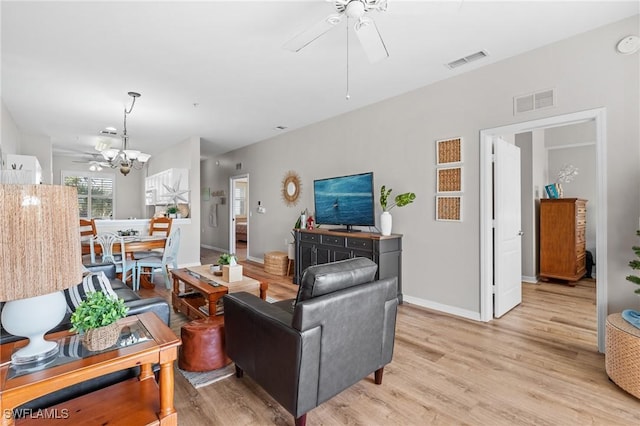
(275, 262)
(101, 338)
(622, 357)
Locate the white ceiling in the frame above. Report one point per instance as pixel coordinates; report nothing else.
(67, 66)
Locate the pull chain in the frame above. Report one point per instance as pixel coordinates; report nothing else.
(348, 96)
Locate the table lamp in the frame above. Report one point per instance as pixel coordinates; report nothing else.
(39, 256)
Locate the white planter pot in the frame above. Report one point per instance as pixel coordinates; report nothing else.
(386, 221)
(291, 251)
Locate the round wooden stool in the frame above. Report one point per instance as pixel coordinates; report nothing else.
(622, 356)
(203, 345)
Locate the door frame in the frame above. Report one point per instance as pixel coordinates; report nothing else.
(232, 224)
(486, 206)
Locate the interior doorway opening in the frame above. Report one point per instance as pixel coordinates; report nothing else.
(598, 116)
(239, 215)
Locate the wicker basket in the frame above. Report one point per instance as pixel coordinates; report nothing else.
(622, 357)
(275, 262)
(101, 338)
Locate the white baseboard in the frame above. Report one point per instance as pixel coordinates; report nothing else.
(224, 250)
(532, 280)
(255, 259)
(464, 313)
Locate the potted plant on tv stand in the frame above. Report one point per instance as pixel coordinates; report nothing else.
(400, 200)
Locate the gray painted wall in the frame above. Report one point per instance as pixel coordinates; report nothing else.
(9, 134)
(395, 139)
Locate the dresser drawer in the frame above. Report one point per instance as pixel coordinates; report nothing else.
(332, 240)
(309, 238)
(360, 244)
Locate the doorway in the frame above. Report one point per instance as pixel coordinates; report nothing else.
(486, 206)
(239, 216)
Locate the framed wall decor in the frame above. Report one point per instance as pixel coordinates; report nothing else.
(206, 193)
(449, 151)
(449, 208)
(449, 179)
(291, 188)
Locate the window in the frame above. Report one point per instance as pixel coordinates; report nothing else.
(95, 192)
(239, 199)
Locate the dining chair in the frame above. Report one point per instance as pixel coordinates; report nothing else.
(169, 257)
(87, 230)
(107, 241)
(157, 226)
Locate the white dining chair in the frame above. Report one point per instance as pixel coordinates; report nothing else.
(169, 257)
(107, 240)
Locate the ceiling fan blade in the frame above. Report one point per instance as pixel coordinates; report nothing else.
(371, 40)
(312, 33)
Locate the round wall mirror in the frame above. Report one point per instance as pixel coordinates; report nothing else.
(291, 188)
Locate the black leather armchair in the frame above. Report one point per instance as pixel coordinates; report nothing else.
(339, 329)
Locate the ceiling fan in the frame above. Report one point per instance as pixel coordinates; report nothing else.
(95, 163)
(365, 28)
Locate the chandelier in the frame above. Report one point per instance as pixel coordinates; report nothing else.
(126, 159)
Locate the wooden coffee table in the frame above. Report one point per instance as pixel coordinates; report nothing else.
(135, 401)
(194, 288)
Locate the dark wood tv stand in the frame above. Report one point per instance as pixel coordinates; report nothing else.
(318, 246)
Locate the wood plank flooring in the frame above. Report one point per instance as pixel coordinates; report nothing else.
(538, 365)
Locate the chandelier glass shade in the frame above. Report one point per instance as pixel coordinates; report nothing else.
(126, 159)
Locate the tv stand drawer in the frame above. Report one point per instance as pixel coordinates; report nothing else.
(332, 240)
(360, 244)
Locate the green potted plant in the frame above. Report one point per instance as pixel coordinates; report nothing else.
(172, 211)
(96, 319)
(400, 200)
(635, 265)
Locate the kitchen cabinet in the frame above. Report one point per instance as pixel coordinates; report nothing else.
(28, 163)
(155, 186)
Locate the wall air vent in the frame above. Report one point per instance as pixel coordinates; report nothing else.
(238, 166)
(469, 58)
(534, 101)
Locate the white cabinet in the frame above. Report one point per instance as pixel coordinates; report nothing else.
(156, 192)
(27, 166)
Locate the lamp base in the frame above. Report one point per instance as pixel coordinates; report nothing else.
(32, 318)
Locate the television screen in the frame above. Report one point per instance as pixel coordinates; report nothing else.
(345, 200)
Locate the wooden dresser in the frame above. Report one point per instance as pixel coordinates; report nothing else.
(562, 238)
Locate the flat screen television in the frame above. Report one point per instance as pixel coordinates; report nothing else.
(345, 200)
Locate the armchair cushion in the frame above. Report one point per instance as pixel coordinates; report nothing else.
(327, 278)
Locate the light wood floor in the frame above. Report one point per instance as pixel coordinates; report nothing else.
(538, 365)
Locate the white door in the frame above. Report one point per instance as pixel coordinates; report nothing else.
(507, 232)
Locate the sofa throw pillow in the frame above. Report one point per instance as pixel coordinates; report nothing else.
(95, 281)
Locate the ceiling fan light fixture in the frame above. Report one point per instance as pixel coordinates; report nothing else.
(355, 9)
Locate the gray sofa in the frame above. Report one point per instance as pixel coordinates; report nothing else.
(136, 305)
(339, 329)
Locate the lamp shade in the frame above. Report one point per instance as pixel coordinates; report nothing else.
(40, 249)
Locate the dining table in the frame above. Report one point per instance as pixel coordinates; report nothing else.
(134, 244)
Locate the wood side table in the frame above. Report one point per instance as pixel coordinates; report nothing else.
(139, 401)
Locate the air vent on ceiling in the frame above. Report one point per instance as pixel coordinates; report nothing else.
(469, 58)
(534, 101)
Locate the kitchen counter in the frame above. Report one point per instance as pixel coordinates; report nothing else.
(140, 225)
